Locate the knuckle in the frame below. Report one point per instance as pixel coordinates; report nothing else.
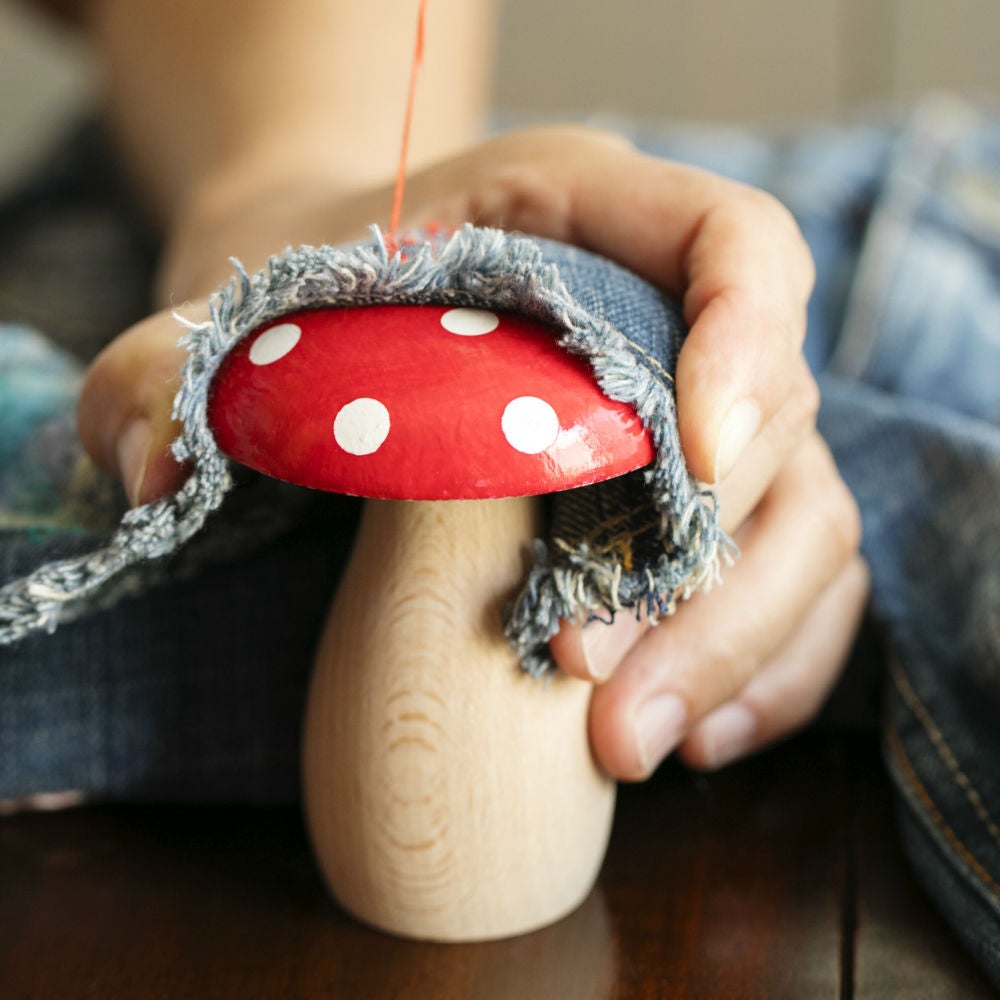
(780, 218)
(779, 214)
(525, 179)
(804, 400)
(559, 142)
(728, 656)
(808, 265)
(858, 579)
(863, 575)
(751, 310)
(589, 137)
(837, 513)
(767, 319)
(806, 712)
(780, 326)
(520, 196)
(776, 213)
(848, 517)
(768, 203)
(794, 422)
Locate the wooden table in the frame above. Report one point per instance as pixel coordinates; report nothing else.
(776, 878)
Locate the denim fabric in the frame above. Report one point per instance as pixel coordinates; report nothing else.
(629, 332)
(193, 691)
(928, 483)
(919, 443)
(903, 217)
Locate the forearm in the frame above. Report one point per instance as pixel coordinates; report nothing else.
(210, 99)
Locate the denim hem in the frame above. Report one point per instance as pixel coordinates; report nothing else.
(966, 894)
(920, 758)
(938, 125)
(472, 267)
(957, 854)
(973, 923)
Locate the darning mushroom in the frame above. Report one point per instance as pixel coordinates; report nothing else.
(449, 796)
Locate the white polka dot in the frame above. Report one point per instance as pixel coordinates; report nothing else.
(470, 322)
(275, 343)
(529, 424)
(361, 426)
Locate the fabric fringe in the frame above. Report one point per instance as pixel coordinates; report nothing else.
(471, 267)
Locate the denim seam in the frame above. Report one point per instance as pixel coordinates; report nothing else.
(651, 361)
(939, 124)
(937, 826)
(944, 751)
(474, 267)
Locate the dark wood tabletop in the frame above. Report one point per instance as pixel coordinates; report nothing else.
(779, 877)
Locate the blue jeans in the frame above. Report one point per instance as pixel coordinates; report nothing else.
(175, 694)
(904, 334)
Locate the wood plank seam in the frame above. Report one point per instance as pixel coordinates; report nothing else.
(849, 890)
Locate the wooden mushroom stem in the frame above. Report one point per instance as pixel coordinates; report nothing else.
(450, 796)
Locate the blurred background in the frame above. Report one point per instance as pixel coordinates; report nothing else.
(717, 60)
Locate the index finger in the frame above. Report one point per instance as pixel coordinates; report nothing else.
(737, 258)
(733, 253)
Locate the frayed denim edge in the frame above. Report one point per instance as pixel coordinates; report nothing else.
(474, 267)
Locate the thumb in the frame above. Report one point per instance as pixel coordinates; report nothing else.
(124, 411)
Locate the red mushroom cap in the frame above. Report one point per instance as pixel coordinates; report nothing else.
(420, 403)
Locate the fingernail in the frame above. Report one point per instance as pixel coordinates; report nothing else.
(601, 650)
(727, 733)
(133, 454)
(660, 724)
(738, 429)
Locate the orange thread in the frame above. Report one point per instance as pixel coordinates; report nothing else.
(418, 58)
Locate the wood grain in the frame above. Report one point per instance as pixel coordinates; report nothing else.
(725, 888)
(450, 796)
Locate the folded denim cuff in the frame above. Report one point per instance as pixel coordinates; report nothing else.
(635, 543)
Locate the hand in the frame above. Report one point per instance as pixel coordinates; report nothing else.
(752, 661)
(731, 670)
(739, 668)
(734, 253)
